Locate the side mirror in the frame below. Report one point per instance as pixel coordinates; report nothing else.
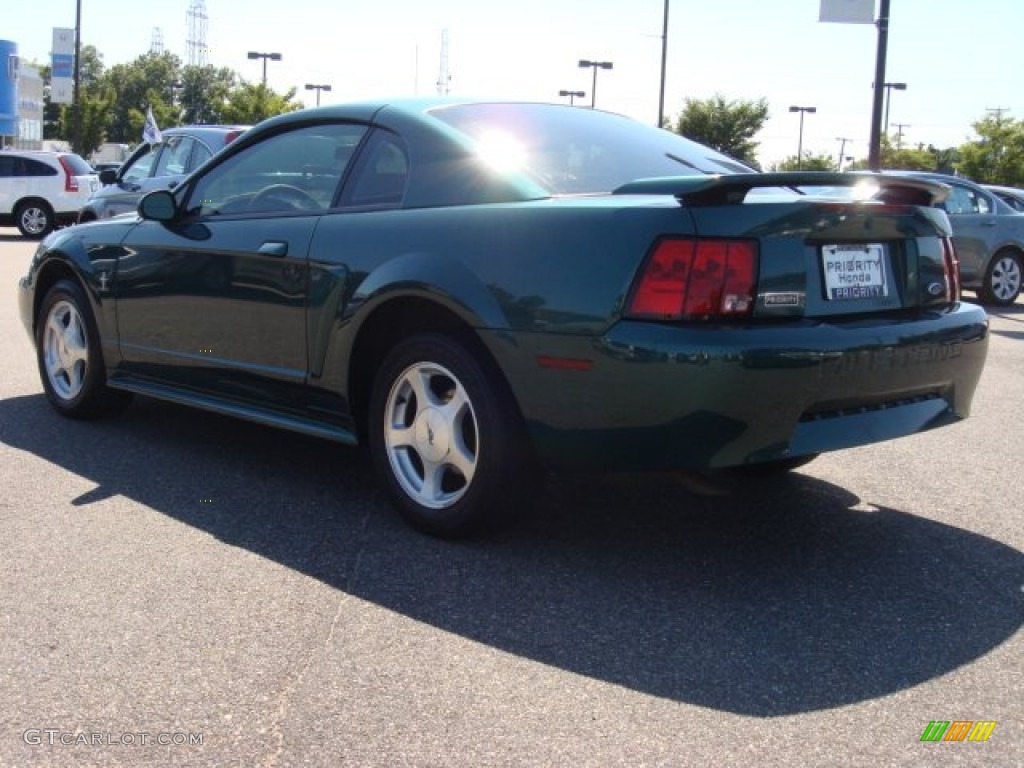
(108, 176)
(158, 205)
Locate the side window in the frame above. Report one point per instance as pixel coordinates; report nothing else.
(295, 171)
(36, 168)
(200, 154)
(960, 200)
(382, 172)
(174, 159)
(143, 164)
(6, 167)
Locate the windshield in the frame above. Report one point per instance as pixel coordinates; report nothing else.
(573, 150)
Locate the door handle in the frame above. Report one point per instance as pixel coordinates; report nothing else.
(988, 223)
(273, 248)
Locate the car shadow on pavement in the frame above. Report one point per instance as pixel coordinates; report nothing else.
(761, 597)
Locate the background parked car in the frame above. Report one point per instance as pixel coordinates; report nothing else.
(989, 237)
(1012, 196)
(43, 190)
(157, 166)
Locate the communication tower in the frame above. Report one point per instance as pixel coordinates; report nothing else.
(197, 53)
(156, 42)
(444, 77)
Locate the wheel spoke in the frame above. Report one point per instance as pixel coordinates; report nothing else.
(433, 475)
(399, 436)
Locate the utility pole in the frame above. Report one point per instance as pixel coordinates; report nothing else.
(899, 134)
(76, 98)
(842, 151)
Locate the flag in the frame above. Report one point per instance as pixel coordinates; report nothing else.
(848, 11)
(150, 131)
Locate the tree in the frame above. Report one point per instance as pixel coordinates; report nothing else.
(204, 94)
(997, 156)
(807, 163)
(728, 126)
(147, 82)
(917, 158)
(248, 104)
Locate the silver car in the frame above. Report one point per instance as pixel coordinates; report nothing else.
(989, 238)
(157, 166)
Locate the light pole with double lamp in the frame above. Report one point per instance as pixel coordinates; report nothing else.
(264, 56)
(573, 95)
(595, 65)
(800, 142)
(318, 88)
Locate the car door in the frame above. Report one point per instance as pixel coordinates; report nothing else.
(123, 195)
(216, 301)
(975, 225)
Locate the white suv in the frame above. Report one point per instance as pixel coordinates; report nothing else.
(43, 190)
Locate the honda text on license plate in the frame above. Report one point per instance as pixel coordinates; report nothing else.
(854, 271)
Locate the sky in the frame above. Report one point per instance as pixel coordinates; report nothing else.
(959, 59)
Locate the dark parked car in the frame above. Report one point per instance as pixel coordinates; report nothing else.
(477, 291)
(156, 166)
(989, 237)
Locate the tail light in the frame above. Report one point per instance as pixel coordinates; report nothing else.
(232, 135)
(70, 180)
(951, 269)
(695, 278)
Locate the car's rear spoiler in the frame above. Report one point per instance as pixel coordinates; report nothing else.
(733, 188)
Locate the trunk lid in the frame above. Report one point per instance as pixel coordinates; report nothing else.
(828, 244)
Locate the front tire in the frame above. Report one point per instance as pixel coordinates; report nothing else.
(69, 357)
(446, 437)
(34, 219)
(1002, 282)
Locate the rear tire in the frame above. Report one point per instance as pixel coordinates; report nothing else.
(1002, 282)
(69, 356)
(447, 438)
(34, 219)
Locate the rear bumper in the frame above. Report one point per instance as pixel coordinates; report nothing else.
(659, 397)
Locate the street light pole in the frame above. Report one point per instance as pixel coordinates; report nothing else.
(264, 56)
(800, 142)
(318, 88)
(573, 95)
(888, 95)
(875, 144)
(664, 58)
(595, 65)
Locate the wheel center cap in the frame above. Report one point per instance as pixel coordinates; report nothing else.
(433, 437)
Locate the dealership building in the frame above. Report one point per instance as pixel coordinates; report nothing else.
(21, 101)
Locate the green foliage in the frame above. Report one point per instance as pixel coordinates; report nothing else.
(919, 158)
(807, 163)
(728, 126)
(249, 104)
(204, 94)
(997, 156)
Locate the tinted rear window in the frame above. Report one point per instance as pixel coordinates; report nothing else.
(572, 150)
(78, 166)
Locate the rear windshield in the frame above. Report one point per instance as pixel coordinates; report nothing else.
(78, 166)
(573, 150)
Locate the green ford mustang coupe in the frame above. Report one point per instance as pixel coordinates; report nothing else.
(478, 291)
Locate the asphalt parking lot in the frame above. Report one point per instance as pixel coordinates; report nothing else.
(180, 589)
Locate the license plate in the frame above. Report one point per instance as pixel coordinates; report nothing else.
(854, 271)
